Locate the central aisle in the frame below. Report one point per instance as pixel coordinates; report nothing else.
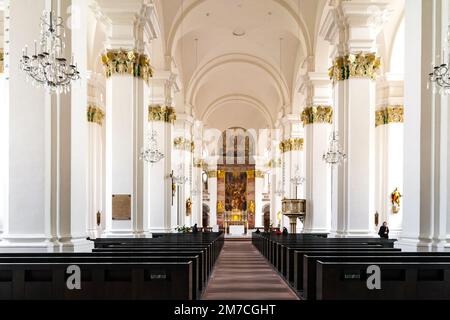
(242, 273)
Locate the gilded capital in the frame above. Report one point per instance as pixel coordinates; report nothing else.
(293, 144)
(199, 163)
(274, 163)
(317, 114)
(2, 57)
(389, 114)
(355, 65)
(95, 114)
(127, 62)
(259, 174)
(161, 113)
(181, 143)
(212, 174)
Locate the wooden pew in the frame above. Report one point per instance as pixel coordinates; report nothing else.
(400, 281)
(100, 281)
(77, 258)
(285, 263)
(310, 261)
(206, 265)
(300, 254)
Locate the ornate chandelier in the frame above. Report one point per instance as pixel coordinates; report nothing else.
(196, 192)
(152, 154)
(279, 191)
(440, 77)
(47, 67)
(334, 155)
(297, 179)
(179, 179)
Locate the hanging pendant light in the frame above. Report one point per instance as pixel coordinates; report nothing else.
(47, 67)
(279, 191)
(152, 154)
(297, 179)
(334, 156)
(179, 178)
(440, 77)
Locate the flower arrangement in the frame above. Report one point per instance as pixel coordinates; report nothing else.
(183, 229)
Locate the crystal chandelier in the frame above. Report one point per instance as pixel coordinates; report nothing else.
(440, 77)
(279, 191)
(297, 179)
(195, 192)
(47, 67)
(152, 154)
(180, 178)
(334, 156)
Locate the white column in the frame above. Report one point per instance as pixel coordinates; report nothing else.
(426, 223)
(47, 192)
(389, 153)
(212, 190)
(126, 113)
(350, 28)
(197, 199)
(162, 193)
(4, 124)
(95, 169)
(259, 190)
(317, 119)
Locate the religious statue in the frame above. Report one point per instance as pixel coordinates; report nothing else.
(99, 218)
(188, 206)
(251, 207)
(220, 207)
(395, 200)
(279, 218)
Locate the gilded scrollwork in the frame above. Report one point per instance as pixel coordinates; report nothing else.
(212, 174)
(317, 114)
(274, 163)
(199, 163)
(161, 113)
(293, 144)
(355, 65)
(259, 174)
(389, 114)
(181, 143)
(95, 114)
(127, 62)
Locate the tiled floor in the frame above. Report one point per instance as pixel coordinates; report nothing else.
(242, 273)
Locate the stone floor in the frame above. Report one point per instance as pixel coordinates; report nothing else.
(242, 273)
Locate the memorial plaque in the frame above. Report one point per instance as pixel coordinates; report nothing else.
(121, 207)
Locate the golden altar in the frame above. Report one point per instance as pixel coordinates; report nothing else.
(235, 218)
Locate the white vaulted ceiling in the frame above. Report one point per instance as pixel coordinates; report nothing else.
(237, 79)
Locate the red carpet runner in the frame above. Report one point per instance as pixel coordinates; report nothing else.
(242, 273)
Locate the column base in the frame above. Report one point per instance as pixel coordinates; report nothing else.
(161, 230)
(39, 243)
(422, 245)
(316, 230)
(353, 234)
(125, 234)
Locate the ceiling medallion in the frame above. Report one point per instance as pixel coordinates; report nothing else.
(239, 32)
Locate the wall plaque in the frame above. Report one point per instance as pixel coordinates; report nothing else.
(121, 207)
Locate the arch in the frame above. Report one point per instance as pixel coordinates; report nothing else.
(203, 71)
(390, 52)
(305, 40)
(238, 98)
